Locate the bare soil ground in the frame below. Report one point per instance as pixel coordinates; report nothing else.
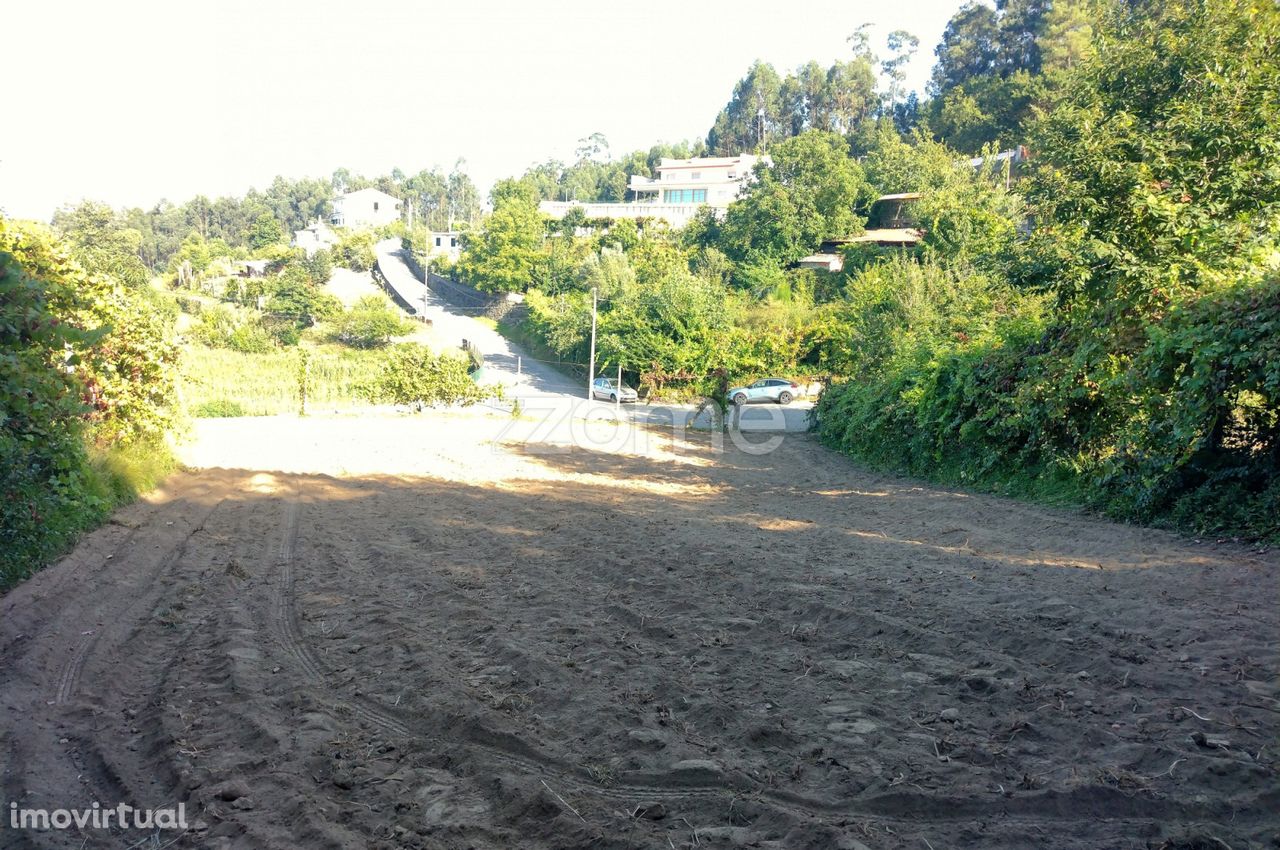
(512, 644)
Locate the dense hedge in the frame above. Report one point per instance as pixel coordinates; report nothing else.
(1187, 436)
(1146, 382)
(86, 381)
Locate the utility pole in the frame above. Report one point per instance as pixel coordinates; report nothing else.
(617, 399)
(591, 367)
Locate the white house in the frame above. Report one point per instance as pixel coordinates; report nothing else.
(365, 208)
(682, 187)
(446, 242)
(711, 180)
(314, 238)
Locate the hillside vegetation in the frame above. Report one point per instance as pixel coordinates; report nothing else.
(1099, 328)
(86, 390)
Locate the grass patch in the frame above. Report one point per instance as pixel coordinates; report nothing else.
(221, 382)
(104, 479)
(120, 474)
(515, 328)
(220, 409)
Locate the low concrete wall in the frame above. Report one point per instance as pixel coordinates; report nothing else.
(400, 300)
(461, 295)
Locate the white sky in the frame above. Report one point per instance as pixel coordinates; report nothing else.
(136, 100)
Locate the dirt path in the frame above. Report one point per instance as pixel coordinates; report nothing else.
(523, 645)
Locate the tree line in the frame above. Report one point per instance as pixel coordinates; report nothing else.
(261, 218)
(996, 67)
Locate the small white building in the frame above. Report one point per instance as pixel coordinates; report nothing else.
(682, 187)
(365, 208)
(445, 242)
(317, 237)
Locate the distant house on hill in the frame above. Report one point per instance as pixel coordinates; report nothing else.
(891, 224)
(682, 187)
(365, 208)
(1013, 162)
(314, 238)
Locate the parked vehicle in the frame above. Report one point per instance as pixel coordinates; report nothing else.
(608, 388)
(777, 390)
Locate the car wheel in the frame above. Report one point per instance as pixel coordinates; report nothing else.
(784, 397)
(740, 398)
(614, 398)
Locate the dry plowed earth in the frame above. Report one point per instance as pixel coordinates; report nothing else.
(597, 650)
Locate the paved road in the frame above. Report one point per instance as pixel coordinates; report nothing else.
(541, 387)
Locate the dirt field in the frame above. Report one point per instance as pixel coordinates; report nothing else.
(518, 645)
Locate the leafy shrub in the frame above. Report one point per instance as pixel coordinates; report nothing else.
(297, 301)
(252, 338)
(190, 306)
(414, 376)
(1193, 441)
(319, 267)
(371, 323)
(83, 364)
(355, 251)
(215, 326)
(1204, 444)
(42, 458)
(286, 334)
(219, 327)
(932, 356)
(218, 409)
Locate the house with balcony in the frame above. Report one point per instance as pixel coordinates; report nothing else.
(365, 208)
(682, 187)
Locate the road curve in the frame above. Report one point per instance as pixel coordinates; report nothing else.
(537, 384)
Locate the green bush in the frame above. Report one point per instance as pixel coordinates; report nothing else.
(1192, 441)
(218, 409)
(355, 250)
(214, 326)
(319, 267)
(1203, 444)
(84, 396)
(219, 327)
(412, 375)
(252, 338)
(933, 356)
(370, 323)
(190, 306)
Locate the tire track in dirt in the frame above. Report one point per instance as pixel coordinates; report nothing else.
(63, 752)
(283, 612)
(284, 615)
(69, 680)
(906, 808)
